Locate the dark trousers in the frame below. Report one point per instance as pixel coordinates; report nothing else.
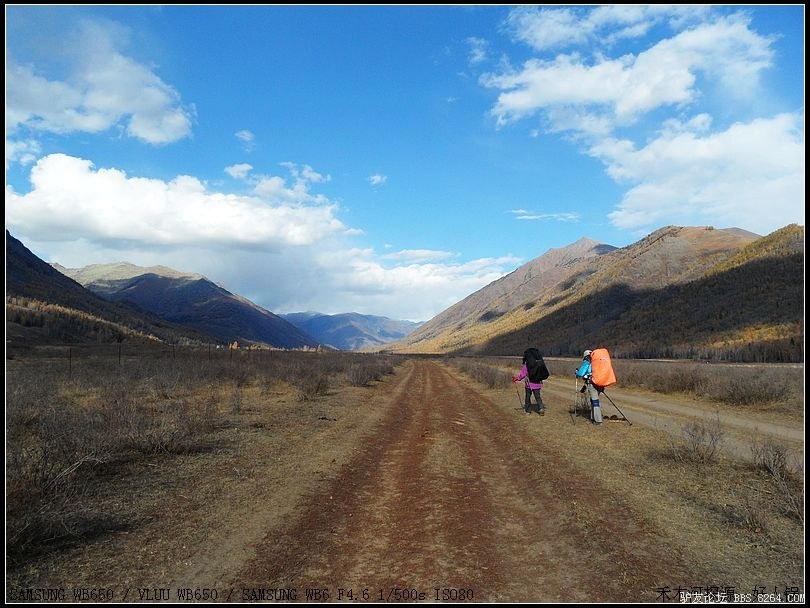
(528, 406)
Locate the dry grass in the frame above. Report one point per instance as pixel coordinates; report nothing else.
(71, 428)
(489, 375)
(738, 522)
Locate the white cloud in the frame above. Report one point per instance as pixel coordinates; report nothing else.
(478, 49)
(275, 189)
(239, 171)
(247, 138)
(104, 88)
(523, 214)
(305, 173)
(750, 176)
(24, 151)
(415, 291)
(71, 199)
(549, 28)
(377, 179)
(283, 256)
(593, 97)
(419, 255)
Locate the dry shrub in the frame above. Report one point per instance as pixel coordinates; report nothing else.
(770, 457)
(699, 444)
(360, 375)
(236, 400)
(773, 459)
(368, 369)
(752, 513)
(725, 383)
(47, 457)
(310, 387)
(55, 449)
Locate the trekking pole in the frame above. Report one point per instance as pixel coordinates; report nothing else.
(517, 390)
(617, 407)
(575, 409)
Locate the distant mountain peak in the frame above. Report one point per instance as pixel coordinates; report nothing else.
(351, 330)
(581, 248)
(585, 241)
(122, 270)
(192, 300)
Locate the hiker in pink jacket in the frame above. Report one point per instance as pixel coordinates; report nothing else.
(533, 370)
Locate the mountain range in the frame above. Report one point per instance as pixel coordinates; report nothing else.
(121, 301)
(351, 331)
(191, 300)
(678, 292)
(43, 306)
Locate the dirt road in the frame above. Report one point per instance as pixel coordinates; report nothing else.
(447, 495)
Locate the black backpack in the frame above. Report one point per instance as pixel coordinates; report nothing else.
(535, 365)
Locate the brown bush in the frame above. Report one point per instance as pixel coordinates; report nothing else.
(700, 442)
(774, 459)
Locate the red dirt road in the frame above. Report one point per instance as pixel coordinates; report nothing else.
(448, 493)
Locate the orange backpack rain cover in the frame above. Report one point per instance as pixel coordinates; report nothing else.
(601, 369)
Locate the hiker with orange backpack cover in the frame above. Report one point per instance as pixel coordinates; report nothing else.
(585, 372)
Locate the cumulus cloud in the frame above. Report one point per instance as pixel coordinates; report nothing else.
(102, 88)
(276, 189)
(71, 198)
(750, 175)
(592, 97)
(281, 248)
(377, 179)
(687, 171)
(415, 291)
(305, 173)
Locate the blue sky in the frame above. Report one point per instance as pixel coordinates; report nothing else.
(391, 160)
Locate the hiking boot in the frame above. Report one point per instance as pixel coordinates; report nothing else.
(542, 412)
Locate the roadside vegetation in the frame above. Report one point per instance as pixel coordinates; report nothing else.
(771, 387)
(779, 387)
(77, 418)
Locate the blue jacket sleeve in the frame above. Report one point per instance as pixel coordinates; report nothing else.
(584, 369)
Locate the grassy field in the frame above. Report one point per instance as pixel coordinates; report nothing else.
(76, 419)
(95, 443)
